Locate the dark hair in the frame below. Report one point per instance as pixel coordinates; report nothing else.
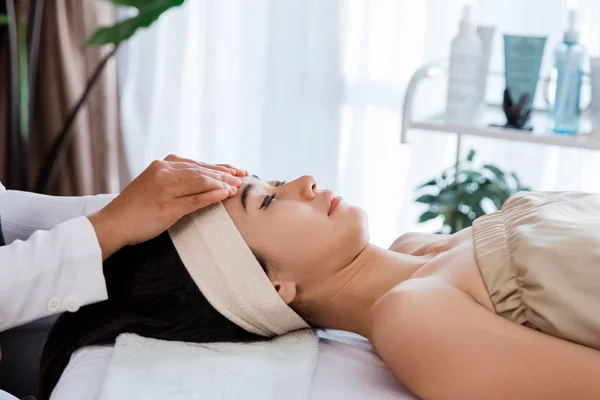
(150, 293)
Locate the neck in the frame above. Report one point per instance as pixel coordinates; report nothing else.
(358, 286)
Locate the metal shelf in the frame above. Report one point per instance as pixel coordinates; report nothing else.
(493, 114)
(541, 133)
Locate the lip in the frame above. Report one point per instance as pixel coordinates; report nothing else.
(334, 203)
(330, 197)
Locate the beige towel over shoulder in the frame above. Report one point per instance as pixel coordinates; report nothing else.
(540, 260)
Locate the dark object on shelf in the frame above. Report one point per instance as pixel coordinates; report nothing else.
(517, 115)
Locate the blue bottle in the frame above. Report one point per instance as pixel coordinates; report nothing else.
(568, 69)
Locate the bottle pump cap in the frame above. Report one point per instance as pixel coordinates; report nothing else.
(572, 33)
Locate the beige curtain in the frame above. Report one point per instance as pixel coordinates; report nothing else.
(94, 162)
(4, 103)
(4, 106)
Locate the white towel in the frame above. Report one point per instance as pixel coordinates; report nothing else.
(151, 369)
(6, 396)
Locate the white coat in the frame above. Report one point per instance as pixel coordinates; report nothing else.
(52, 261)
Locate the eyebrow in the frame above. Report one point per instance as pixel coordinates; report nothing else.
(245, 192)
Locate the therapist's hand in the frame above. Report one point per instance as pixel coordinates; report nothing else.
(162, 194)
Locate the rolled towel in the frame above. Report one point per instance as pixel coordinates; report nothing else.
(150, 369)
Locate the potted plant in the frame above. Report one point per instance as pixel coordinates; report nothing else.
(23, 64)
(464, 192)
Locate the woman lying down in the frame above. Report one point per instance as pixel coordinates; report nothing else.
(507, 309)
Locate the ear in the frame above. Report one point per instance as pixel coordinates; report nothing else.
(286, 290)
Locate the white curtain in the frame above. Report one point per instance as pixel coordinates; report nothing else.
(252, 83)
(291, 87)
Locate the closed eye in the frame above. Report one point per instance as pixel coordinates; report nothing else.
(267, 201)
(270, 197)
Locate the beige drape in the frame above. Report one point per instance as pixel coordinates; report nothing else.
(4, 105)
(94, 160)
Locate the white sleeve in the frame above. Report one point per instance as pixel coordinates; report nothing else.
(24, 213)
(53, 271)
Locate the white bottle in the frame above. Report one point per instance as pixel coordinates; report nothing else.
(462, 104)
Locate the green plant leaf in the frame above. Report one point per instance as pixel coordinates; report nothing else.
(23, 81)
(4, 20)
(148, 12)
(132, 3)
(465, 221)
(463, 189)
(471, 155)
(472, 176)
(493, 193)
(447, 197)
(432, 182)
(519, 187)
(450, 221)
(494, 170)
(428, 215)
(516, 178)
(478, 210)
(500, 187)
(426, 199)
(458, 222)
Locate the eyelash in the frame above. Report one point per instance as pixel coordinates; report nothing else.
(270, 197)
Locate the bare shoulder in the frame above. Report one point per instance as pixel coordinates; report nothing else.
(442, 344)
(406, 301)
(405, 324)
(406, 307)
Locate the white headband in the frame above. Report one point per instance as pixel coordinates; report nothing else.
(228, 275)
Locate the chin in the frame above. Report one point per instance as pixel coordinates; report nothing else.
(358, 225)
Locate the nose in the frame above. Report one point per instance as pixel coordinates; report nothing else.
(308, 186)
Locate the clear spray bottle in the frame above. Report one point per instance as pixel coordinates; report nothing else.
(568, 70)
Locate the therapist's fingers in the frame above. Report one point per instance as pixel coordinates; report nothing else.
(152, 202)
(201, 184)
(238, 172)
(220, 167)
(224, 167)
(216, 167)
(183, 171)
(189, 204)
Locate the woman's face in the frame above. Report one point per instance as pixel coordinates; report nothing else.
(294, 227)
